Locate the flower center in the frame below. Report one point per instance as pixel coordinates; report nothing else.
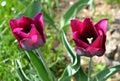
(90, 40)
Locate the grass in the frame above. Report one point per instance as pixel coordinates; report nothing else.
(113, 2)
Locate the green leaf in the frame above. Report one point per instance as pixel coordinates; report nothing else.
(20, 72)
(31, 10)
(50, 20)
(106, 73)
(39, 66)
(52, 77)
(71, 52)
(92, 5)
(36, 8)
(80, 75)
(72, 11)
(70, 70)
(75, 59)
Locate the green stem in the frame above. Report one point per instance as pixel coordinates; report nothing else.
(89, 69)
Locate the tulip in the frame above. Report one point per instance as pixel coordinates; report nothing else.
(29, 32)
(89, 38)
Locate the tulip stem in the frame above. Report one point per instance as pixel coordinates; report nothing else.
(89, 69)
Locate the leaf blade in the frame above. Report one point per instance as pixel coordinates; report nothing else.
(49, 20)
(80, 75)
(31, 10)
(75, 59)
(39, 66)
(20, 72)
(105, 74)
(68, 47)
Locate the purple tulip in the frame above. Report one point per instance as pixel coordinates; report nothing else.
(89, 38)
(29, 32)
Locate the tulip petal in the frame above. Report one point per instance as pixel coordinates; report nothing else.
(88, 30)
(76, 25)
(19, 34)
(79, 42)
(33, 30)
(23, 22)
(98, 43)
(13, 24)
(34, 40)
(99, 52)
(97, 47)
(31, 43)
(39, 22)
(82, 52)
(95, 51)
(89, 52)
(101, 26)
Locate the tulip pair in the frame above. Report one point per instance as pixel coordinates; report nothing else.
(30, 34)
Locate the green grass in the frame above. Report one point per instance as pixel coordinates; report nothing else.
(113, 2)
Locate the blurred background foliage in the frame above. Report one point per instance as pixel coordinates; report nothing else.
(113, 2)
(53, 50)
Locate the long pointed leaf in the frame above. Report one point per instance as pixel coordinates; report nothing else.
(75, 67)
(80, 75)
(48, 18)
(20, 72)
(71, 53)
(75, 59)
(105, 74)
(45, 64)
(36, 8)
(31, 10)
(92, 5)
(70, 71)
(39, 66)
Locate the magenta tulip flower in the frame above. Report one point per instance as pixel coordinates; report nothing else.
(89, 38)
(29, 32)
